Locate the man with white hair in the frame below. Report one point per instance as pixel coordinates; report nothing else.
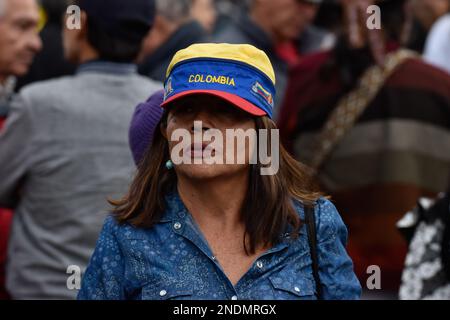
(19, 42)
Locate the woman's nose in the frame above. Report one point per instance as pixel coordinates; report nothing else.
(201, 120)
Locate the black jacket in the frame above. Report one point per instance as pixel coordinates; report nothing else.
(155, 65)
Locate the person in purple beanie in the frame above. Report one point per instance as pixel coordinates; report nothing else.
(143, 124)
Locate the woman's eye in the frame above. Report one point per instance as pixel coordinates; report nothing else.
(231, 112)
(183, 109)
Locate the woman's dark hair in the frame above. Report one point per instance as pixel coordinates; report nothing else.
(268, 207)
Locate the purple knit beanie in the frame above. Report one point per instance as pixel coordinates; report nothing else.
(145, 120)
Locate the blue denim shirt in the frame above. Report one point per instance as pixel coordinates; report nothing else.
(172, 260)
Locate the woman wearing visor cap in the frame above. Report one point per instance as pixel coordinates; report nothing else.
(202, 230)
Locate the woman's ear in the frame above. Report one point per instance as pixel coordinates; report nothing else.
(163, 130)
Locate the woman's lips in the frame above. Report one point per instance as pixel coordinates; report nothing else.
(198, 150)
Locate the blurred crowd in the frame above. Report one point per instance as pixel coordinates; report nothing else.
(367, 109)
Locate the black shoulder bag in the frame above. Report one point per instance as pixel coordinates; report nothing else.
(312, 240)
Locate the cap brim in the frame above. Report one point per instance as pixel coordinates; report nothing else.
(229, 97)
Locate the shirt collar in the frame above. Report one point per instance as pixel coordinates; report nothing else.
(100, 66)
(4, 109)
(176, 210)
(6, 93)
(7, 88)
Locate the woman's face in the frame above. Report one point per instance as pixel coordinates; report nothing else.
(203, 121)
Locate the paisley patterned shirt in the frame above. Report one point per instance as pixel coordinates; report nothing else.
(172, 260)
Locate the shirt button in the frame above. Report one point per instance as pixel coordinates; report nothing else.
(259, 264)
(177, 226)
(214, 258)
(297, 289)
(162, 293)
(234, 298)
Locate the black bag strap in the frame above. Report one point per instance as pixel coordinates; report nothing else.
(312, 240)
